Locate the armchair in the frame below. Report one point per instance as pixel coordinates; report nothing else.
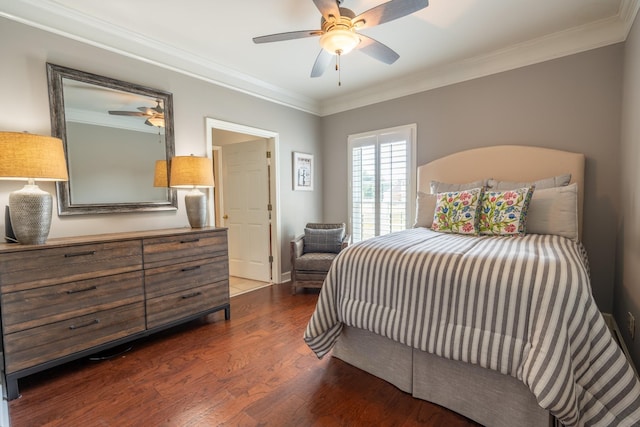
(313, 252)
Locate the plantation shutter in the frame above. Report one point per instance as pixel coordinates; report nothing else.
(381, 175)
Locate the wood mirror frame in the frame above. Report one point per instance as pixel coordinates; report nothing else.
(67, 205)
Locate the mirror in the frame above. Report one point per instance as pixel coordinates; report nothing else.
(113, 133)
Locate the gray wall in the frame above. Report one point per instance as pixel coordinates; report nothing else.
(627, 289)
(572, 103)
(24, 106)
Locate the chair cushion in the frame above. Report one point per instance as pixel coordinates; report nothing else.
(323, 240)
(318, 261)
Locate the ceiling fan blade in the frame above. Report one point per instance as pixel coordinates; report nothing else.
(388, 11)
(147, 111)
(377, 50)
(128, 113)
(328, 8)
(287, 36)
(322, 63)
(151, 110)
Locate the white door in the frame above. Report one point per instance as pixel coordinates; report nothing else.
(246, 214)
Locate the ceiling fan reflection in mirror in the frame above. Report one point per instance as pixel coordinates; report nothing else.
(154, 115)
(339, 31)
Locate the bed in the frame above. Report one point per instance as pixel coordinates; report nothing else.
(456, 337)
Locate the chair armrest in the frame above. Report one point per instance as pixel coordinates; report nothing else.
(297, 247)
(346, 241)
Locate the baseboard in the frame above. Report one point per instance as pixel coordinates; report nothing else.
(617, 335)
(285, 277)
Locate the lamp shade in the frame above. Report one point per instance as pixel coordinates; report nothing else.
(191, 172)
(160, 174)
(29, 156)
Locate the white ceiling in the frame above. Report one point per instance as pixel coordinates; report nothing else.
(449, 41)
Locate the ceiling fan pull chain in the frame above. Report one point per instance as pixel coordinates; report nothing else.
(338, 67)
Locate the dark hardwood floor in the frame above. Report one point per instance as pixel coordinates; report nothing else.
(254, 369)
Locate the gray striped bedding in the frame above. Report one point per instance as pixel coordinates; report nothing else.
(520, 306)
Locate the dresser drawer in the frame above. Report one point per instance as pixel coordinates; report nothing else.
(35, 307)
(168, 308)
(178, 277)
(159, 251)
(47, 266)
(42, 344)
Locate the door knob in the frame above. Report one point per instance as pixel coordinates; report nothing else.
(225, 217)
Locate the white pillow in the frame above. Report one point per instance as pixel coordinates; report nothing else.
(554, 211)
(554, 181)
(445, 187)
(425, 208)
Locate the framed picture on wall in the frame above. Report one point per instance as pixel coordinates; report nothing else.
(302, 171)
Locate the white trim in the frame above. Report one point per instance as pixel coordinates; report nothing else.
(220, 185)
(286, 277)
(552, 46)
(273, 144)
(58, 19)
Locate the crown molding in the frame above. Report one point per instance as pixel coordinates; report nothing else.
(55, 18)
(567, 42)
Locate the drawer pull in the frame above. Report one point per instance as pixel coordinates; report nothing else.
(191, 295)
(75, 291)
(80, 254)
(93, 322)
(195, 267)
(190, 241)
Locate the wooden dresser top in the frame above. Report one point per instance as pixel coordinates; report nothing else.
(96, 238)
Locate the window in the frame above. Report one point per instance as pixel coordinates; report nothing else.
(381, 181)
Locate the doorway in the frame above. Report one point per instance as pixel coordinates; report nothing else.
(246, 192)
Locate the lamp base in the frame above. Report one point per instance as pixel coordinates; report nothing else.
(196, 203)
(30, 212)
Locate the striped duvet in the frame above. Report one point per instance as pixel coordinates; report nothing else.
(519, 306)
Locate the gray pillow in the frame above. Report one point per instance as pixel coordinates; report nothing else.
(554, 211)
(425, 208)
(445, 187)
(323, 240)
(554, 181)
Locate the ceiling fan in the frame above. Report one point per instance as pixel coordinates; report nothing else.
(154, 115)
(339, 35)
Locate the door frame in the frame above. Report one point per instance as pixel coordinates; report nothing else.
(273, 144)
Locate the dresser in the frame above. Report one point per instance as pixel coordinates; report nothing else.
(73, 297)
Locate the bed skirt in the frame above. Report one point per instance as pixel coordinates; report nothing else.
(467, 389)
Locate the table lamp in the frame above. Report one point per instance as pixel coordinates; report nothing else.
(25, 156)
(160, 174)
(193, 172)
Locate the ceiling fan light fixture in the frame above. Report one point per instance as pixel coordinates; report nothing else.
(339, 41)
(156, 121)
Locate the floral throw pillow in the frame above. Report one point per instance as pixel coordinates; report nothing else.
(504, 213)
(457, 211)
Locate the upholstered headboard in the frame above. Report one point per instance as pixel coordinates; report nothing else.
(505, 163)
